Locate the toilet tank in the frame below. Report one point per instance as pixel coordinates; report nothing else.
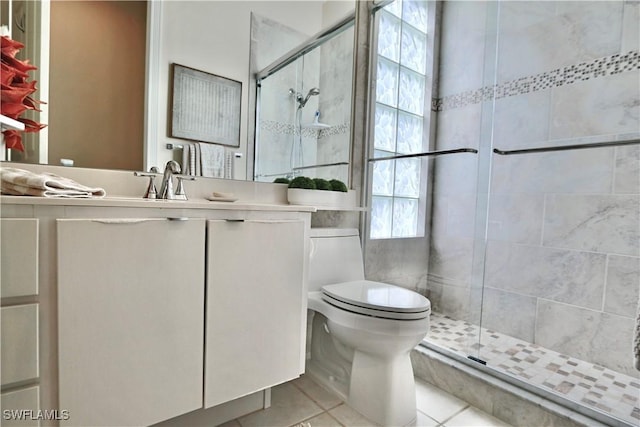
(335, 256)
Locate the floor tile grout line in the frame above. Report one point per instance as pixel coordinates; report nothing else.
(324, 412)
(428, 416)
(455, 414)
(314, 400)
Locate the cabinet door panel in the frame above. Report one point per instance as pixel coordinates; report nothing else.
(19, 343)
(19, 268)
(21, 400)
(131, 319)
(256, 307)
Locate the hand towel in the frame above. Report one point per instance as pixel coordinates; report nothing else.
(212, 160)
(186, 164)
(20, 182)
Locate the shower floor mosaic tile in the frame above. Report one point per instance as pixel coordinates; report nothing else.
(592, 385)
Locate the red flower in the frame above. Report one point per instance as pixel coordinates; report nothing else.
(10, 47)
(15, 91)
(13, 139)
(31, 126)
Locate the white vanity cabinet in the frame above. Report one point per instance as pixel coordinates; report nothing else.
(19, 320)
(138, 312)
(256, 306)
(130, 319)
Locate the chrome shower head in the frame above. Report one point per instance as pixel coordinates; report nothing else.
(312, 92)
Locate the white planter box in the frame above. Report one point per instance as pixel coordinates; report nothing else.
(323, 198)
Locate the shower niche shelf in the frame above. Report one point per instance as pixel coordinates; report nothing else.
(315, 126)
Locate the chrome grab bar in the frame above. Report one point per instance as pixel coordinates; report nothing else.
(567, 147)
(425, 154)
(323, 165)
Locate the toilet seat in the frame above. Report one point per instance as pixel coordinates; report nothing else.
(377, 299)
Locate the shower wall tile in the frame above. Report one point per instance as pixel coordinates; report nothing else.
(462, 52)
(274, 153)
(434, 294)
(554, 172)
(455, 300)
(622, 293)
(521, 121)
(602, 223)
(451, 257)
(602, 106)
(630, 26)
(459, 302)
(461, 215)
(516, 217)
(398, 261)
(579, 32)
(510, 313)
(516, 15)
(567, 276)
(270, 40)
(627, 173)
(439, 209)
(455, 174)
(334, 104)
(459, 127)
(595, 26)
(276, 103)
(586, 334)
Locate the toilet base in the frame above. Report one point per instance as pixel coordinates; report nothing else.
(380, 386)
(383, 390)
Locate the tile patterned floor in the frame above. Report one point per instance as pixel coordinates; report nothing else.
(303, 403)
(592, 385)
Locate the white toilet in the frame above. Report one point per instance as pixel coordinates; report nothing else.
(362, 331)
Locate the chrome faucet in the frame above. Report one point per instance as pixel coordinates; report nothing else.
(166, 189)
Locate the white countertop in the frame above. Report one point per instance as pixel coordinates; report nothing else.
(130, 202)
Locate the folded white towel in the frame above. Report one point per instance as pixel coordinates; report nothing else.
(20, 182)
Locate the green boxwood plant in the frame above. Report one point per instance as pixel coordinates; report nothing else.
(318, 184)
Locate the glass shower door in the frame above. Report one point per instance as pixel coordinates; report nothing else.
(303, 112)
(561, 266)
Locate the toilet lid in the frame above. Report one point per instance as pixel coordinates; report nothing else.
(377, 299)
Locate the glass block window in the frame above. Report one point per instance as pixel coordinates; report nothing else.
(401, 93)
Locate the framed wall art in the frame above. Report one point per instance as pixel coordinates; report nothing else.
(205, 107)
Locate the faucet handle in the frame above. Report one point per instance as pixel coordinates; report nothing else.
(180, 193)
(151, 192)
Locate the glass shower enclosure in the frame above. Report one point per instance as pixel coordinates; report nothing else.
(303, 109)
(534, 265)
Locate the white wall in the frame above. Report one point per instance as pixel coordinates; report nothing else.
(214, 36)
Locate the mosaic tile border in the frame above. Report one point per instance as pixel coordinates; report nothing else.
(281, 128)
(601, 67)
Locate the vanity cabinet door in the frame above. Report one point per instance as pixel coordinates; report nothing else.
(131, 319)
(256, 307)
(19, 343)
(19, 261)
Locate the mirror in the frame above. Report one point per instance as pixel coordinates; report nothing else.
(304, 110)
(213, 36)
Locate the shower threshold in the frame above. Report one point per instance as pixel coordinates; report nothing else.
(564, 378)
